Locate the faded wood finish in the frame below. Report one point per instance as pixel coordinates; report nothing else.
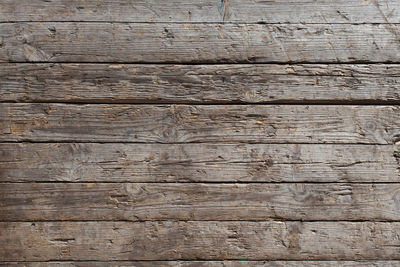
(277, 11)
(202, 123)
(130, 83)
(194, 263)
(188, 43)
(146, 134)
(41, 241)
(199, 202)
(198, 163)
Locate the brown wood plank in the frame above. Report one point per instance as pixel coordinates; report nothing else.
(198, 163)
(277, 11)
(216, 123)
(225, 263)
(130, 83)
(198, 202)
(40, 241)
(188, 43)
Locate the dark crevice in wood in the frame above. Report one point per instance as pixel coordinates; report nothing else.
(269, 219)
(213, 62)
(187, 143)
(196, 23)
(219, 103)
(195, 182)
(21, 141)
(202, 260)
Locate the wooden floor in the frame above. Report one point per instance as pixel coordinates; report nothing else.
(200, 133)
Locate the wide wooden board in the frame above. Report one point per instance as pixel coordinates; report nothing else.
(246, 11)
(191, 84)
(201, 123)
(168, 240)
(191, 43)
(92, 162)
(198, 202)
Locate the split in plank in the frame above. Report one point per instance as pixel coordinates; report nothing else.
(93, 162)
(198, 202)
(191, 43)
(245, 11)
(167, 240)
(194, 263)
(191, 84)
(202, 123)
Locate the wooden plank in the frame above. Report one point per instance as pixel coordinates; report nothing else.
(225, 263)
(198, 202)
(277, 11)
(40, 241)
(198, 163)
(203, 123)
(189, 43)
(130, 83)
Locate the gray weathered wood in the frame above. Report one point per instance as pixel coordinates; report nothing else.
(203, 123)
(186, 43)
(198, 202)
(277, 11)
(130, 83)
(198, 163)
(40, 241)
(363, 263)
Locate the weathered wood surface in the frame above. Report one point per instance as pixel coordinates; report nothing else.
(198, 202)
(130, 83)
(82, 162)
(194, 263)
(188, 43)
(40, 241)
(202, 123)
(277, 11)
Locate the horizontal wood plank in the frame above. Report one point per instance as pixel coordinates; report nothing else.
(277, 11)
(199, 202)
(40, 241)
(189, 43)
(191, 84)
(83, 162)
(194, 263)
(184, 123)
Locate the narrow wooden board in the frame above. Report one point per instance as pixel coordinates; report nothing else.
(191, 84)
(189, 43)
(198, 202)
(40, 241)
(195, 263)
(277, 11)
(184, 123)
(198, 163)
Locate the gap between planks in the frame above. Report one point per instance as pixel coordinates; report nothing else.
(222, 103)
(196, 63)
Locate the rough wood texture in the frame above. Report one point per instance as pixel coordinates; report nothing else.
(183, 123)
(198, 163)
(40, 241)
(225, 263)
(130, 83)
(187, 43)
(277, 11)
(199, 202)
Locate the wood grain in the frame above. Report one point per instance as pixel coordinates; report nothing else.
(191, 84)
(184, 123)
(190, 43)
(199, 202)
(225, 263)
(41, 241)
(277, 11)
(82, 162)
